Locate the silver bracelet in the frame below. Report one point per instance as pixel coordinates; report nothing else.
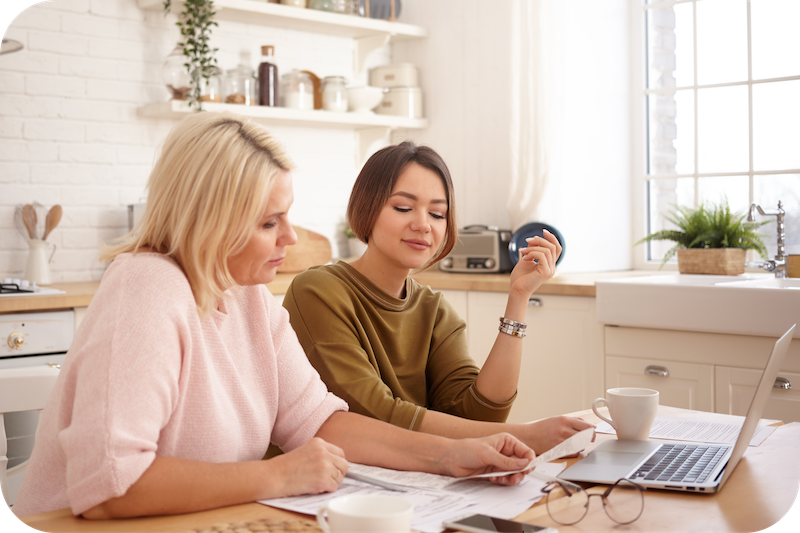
(509, 330)
(521, 326)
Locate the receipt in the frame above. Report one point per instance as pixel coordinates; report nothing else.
(571, 446)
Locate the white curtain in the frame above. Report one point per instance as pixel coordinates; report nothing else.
(532, 127)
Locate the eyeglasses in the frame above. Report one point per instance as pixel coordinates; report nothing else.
(568, 503)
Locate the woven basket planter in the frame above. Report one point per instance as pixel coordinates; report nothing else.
(719, 261)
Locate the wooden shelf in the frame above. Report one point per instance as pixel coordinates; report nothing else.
(368, 127)
(285, 116)
(311, 20)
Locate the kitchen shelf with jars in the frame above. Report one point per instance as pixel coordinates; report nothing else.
(369, 33)
(305, 100)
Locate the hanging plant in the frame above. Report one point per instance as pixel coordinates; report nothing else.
(195, 23)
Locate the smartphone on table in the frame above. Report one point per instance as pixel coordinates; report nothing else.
(481, 523)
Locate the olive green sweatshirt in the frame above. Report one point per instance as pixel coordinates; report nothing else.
(389, 358)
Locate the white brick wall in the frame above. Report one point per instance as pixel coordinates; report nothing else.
(69, 132)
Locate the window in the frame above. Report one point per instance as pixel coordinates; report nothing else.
(722, 97)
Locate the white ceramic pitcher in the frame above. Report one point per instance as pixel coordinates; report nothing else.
(38, 267)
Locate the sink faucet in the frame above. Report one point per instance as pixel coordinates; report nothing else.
(777, 265)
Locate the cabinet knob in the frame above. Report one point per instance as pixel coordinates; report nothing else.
(655, 370)
(782, 383)
(535, 302)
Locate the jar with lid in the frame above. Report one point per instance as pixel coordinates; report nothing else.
(334, 95)
(211, 87)
(240, 87)
(176, 76)
(297, 90)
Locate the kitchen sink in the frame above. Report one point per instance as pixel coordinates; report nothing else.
(772, 283)
(750, 304)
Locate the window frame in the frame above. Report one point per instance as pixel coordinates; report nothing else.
(641, 119)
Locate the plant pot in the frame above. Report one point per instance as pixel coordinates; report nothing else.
(357, 248)
(719, 261)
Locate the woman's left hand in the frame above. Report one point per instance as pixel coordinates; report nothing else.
(495, 453)
(537, 265)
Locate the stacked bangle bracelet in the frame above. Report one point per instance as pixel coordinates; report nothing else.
(512, 327)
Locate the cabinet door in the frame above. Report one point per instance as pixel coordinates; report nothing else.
(736, 387)
(688, 385)
(562, 356)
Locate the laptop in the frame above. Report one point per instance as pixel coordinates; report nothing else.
(679, 465)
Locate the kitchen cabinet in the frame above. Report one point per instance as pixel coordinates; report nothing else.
(367, 34)
(706, 371)
(562, 356)
(80, 312)
(735, 388)
(687, 385)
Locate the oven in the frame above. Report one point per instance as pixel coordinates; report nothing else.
(30, 339)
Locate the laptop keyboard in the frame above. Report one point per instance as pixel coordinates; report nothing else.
(689, 463)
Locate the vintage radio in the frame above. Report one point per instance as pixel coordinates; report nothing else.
(479, 249)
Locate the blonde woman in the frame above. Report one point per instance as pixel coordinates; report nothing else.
(397, 351)
(184, 367)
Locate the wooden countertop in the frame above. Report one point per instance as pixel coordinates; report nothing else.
(79, 294)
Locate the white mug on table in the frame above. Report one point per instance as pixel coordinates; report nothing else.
(632, 411)
(371, 513)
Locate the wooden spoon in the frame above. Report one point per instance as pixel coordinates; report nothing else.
(52, 220)
(29, 218)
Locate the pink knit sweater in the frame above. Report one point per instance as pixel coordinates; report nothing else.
(146, 377)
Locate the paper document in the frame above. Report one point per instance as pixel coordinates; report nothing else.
(694, 430)
(571, 446)
(433, 506)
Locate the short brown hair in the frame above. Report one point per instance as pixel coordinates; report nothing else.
(376, 182)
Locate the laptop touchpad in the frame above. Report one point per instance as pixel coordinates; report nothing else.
(613, 458)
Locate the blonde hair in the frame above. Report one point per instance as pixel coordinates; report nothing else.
(206, 193)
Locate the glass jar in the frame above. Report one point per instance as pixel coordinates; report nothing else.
(295, 3)
(321, 5)
(348, 7)
(297, 90)
(334, 95)
(175, 75)
(211, 88)
(240, 86)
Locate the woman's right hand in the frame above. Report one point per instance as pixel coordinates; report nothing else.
(315, 467)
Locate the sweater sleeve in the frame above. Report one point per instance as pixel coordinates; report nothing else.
(330, 331)
(451, 372)
(305, 402)
(126, 385)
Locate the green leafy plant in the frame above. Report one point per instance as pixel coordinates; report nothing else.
(711, 226)
(195, 23)
(348, 232)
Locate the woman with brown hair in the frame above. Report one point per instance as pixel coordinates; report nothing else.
(396, 350)
(185, 367)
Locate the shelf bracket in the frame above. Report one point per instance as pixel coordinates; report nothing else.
(364, 46)
(365, 138)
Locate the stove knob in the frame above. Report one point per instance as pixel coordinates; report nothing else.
(16, 340)
(489, 263)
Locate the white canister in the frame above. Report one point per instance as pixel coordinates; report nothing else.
(395, 75)
(334, 94)
(402, 102)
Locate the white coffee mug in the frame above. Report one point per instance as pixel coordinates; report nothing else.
(372, 513)
(632, 411)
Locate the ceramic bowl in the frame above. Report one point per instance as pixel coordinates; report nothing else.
(364, 99)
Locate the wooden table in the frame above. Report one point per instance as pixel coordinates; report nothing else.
(759, 492)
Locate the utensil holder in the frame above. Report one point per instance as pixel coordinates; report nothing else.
(37, 269)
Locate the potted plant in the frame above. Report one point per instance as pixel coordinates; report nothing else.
(195, 23)
(357, 248)
(710, 239)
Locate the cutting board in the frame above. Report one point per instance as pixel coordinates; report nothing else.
(311, 249)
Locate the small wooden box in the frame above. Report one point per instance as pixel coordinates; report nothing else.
(719, 261)
(793, 266)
